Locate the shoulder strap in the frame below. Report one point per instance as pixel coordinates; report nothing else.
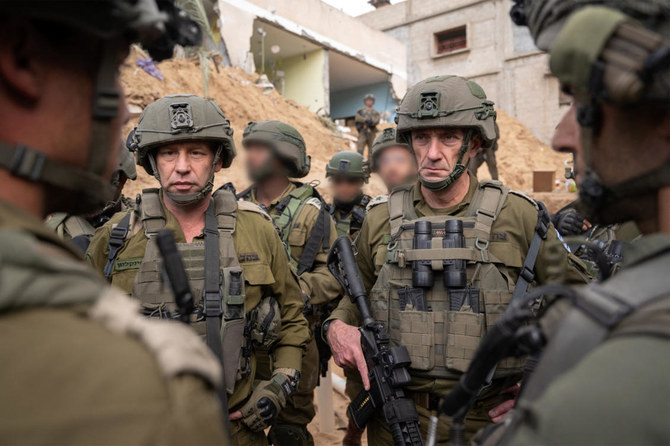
(597, 310)
(117, 238)
(318, 237)
(151, 212)
(486, 205)
(213, 306)
(252, 207)
(527, 273)
(225, 205)
(401, 207)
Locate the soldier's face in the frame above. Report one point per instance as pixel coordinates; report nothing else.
(395, 166)
(437, 151)
(369, 102)
(185, 167)
(259, 158)
(346, 189)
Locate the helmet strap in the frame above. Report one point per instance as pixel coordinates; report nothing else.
(455, 174)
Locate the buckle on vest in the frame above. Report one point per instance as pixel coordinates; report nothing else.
(213, 307)
(528, 274)
(117, 236)
(483, 247)
(485, 213)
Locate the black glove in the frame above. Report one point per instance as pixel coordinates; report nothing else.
(570, 223)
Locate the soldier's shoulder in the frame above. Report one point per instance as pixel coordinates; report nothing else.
(376, 201)
(250, 208)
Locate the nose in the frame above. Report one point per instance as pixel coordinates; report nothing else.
(434, 153)
(565, 135)
(182, 166)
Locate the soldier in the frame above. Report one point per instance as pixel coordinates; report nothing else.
(347, 173)
(80, 230)
(607, 357)
(486, 155)
(236, 262)
(392, 160)
(496, 242)
(367, 119)
(276, 152)
(80, 365)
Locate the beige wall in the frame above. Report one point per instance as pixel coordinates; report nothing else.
(502, 59)
(305, 79)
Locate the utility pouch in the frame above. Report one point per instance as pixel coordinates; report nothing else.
(465, 329)
(265, 323)
(417, 333)
(459, 297)
(361, 409)
(415, 297)
(232, 327)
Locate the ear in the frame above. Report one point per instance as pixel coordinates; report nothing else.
(219, 166)
(475, 145)
(20, 66)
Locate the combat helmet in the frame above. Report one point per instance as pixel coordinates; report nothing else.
(607, 52)
(348, 164)
(447, 101)
(368, 96)
(157, 25)
(386, 139)
(180, 118)
(285, 142)
(126, 169)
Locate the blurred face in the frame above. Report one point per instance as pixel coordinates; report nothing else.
(369, 103)
(184, 168)
(258, 158)
(437, 151)
(395, 165)
(346, 189)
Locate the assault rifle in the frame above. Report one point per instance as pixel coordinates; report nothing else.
(387, 366)
(174, 270)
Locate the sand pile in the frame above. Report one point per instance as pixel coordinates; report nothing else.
(242, 101)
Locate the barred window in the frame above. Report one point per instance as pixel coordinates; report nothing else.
(451, 40)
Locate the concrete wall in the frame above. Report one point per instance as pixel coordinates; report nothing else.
(346, 103)
(500, 56)
(318, 22)
(304, 79)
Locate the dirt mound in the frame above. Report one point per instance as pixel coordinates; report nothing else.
(520, 152)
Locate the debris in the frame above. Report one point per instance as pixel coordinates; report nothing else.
(148, 65)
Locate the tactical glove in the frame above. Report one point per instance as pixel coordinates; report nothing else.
(570, 223)
(269, 398)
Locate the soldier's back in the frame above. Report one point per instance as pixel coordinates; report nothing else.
(81, 365)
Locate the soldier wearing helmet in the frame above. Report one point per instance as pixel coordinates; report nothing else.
(608, 352)
(393, 161)
(347, 174)
(496, 239)
(247, 300)
(276, 153)
(366, 120)
(105, 373)
(80, 229)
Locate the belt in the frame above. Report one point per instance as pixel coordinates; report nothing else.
(427, 400)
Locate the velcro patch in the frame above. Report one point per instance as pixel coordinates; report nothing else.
(126, 264)
(498, 236)
(248, 257)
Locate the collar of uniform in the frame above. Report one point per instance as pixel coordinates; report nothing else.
(172, 223)
(290, 188)
(14, 217)
(424, 209)
(645, 248)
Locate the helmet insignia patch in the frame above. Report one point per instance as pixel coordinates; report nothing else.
(344, 166)
(181, 116)
(429, 105)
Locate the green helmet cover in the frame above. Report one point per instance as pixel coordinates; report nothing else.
(447, 102)
(385, 139)
(284, 141)
(182, 118)
(349, 164)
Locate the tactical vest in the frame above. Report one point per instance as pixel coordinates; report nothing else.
(216, 279)
(285, 215)
(442, 326)
(354, 221)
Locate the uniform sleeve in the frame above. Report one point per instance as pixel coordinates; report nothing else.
(294, 332)
(360, 117)
(97, 251)
(318, 284)
(376, 117)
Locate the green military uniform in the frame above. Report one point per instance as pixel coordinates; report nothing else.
(349, 217)
(260, 299)
(366, 121)
(110, 378)
(301, 218)
(443, 324)
(603, 375)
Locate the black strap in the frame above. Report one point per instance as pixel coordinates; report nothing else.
(320, 236)
(243, 194)
(357, 218)
(211, 295)
(527, 273)
(117, 238)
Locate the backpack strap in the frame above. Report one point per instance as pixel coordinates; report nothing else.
(225, 204)
(117, 239)
(318, 237)
(151, 212)
(599, 309)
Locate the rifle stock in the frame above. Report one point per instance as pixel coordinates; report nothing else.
(387, 366)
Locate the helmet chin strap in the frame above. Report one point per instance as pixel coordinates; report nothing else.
(605, 204)
(186, 200)
(455, 174)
